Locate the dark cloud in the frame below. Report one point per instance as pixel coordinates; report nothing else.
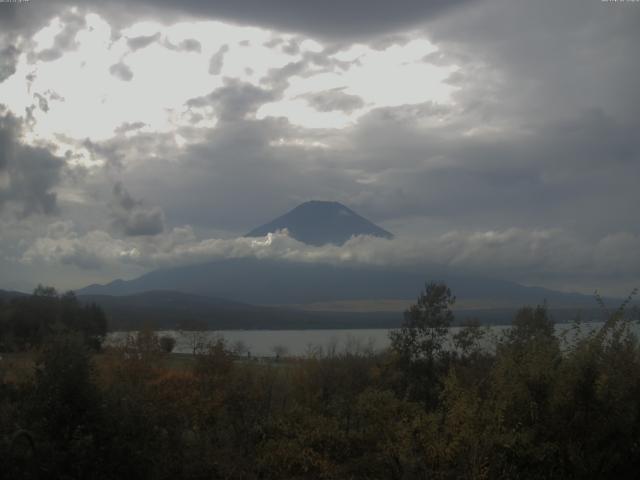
(236, 179)
(556, 174)
(278, 78)
(335, 99)
(234, 101)
(131, 217)
(42, 102)
(65, 40)
(104, 151)
(123, 198)
(544, 59)
(323, 59)
(28, 175)
(129, 127)
(291, 47)
(541, 134)
(136, 43)
(561, 174)
(591, 139)
(311, 63)
(217, 60)
(20, 16)
(331, 20)
(129, 145)
(8, 59)
(122, 71)
(188, 45)
(437, 58)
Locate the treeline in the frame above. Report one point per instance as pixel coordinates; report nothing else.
(27, 321)
(533, 405)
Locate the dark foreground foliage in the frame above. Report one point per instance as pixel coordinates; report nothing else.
(534, 405)
(27, 322)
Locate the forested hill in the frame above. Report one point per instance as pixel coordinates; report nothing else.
(177, 310)
(274, 282)
(165, 309)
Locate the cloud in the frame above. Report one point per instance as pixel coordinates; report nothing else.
(536, 147)
(42, 102)
(132, 143)
(143, 41)
(517, 254)
(8, 59)
(333, 19)
(217, 60)
(132, 218)
(402, 165)
(65, 40)
(334, 99)
(129, 127)
(234, 101)
(63, 246)
(429, 163)
(121, 71)
(187, 45)
(28, 175)
(543, 67)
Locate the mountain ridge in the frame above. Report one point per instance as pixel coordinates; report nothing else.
(277, 282)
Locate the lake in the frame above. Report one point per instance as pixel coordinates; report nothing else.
(265, 343)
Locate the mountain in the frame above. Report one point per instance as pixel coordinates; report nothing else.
(318, 223)
(277, 283)
(251, 285)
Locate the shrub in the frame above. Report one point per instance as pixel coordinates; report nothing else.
(167, 343)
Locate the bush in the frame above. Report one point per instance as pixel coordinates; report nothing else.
(167, 343)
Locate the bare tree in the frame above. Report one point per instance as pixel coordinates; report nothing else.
(279, 351)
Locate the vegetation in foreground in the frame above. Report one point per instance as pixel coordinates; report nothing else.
(535, 406)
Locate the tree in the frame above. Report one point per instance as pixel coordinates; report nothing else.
(196, 339)
(26, 322)
(240, 348)
(167, 343)
(426, 324)
(64, 408)
(419, 346)
(279, 351)
(468, 339)
(531, 325)
(46, 292)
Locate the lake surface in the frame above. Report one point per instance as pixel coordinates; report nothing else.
(266, 343)
(263, 343)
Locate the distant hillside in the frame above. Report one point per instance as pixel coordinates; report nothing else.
(165, 309)
(319, 223)
(8, 294)
(272, 282)
(176, 310)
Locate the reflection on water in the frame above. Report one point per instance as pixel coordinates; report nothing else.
(266, 343)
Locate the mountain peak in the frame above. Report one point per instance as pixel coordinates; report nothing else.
(319, 222)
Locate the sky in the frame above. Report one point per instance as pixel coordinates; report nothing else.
(495, 137)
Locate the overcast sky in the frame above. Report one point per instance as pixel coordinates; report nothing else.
(497, 137)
